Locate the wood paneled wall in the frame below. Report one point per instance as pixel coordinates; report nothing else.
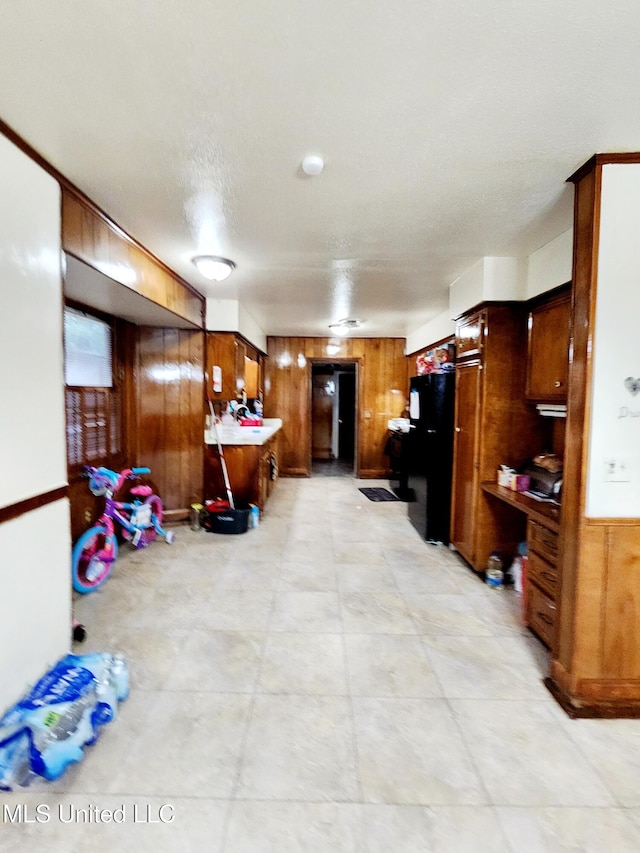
(92, 237)
(169, 413)
(381, 394)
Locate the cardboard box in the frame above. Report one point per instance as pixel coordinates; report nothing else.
(504, 477)
(519, 482)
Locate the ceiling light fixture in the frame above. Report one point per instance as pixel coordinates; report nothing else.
(312, 165)
(343, 327)
(213, 267)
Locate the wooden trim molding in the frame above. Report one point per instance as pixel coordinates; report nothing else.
(7, 513)
(603, 160)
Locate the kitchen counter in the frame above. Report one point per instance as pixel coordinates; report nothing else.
(244, 435)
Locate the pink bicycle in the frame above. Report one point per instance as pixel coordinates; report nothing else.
(96, 550)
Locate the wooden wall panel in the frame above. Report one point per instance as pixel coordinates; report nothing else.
(170, 412)
(621, 641)
(381, 395)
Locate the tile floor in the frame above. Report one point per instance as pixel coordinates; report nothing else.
(329, 682)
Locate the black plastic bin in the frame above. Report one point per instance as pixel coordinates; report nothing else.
(227, 520)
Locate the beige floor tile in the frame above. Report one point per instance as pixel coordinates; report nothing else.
(236, 610)
(158, 825)
(307, 577)
(299, 748)
(436, 829)
(257, 827)
(365, 577)
(557, 830)
(429, 580)
(190, 747)
(411, 752)
(525, 757)
(304, 664)
(613, 748)
(442, 615)
(218, 661)
(358, 551)
(315, 612)
(389, 665)
(375, 613)
(485, 668)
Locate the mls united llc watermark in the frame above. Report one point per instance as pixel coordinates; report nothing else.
(69, 813)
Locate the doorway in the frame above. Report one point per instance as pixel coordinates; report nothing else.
(333, 418)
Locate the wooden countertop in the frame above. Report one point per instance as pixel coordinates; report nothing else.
(239, 435)
(547, 514)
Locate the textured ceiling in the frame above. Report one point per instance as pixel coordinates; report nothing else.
(448, 129)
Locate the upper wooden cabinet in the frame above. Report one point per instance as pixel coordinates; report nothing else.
(239, 363)
(469, 332)
(548, 349)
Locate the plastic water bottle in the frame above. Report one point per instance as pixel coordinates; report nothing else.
(494, 574)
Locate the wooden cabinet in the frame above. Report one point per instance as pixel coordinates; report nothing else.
(252, 470)
(465, 470)
(548, 349)
(542, 582)
(493, 426)
(469, 332)
(239, 362)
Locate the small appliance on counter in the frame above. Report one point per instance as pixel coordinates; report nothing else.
(545, 476)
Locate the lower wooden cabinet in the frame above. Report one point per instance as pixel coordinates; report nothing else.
(252, 470)
(542, 582)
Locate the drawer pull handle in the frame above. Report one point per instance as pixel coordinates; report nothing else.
(557, 384)
(546, 619)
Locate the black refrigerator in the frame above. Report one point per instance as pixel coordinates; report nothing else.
(430, 452)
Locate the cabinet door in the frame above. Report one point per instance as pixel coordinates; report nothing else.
(548, 350)
(465, 471)
(469, 332)
(241, 352)
(221, 351)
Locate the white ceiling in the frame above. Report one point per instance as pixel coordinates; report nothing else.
(448, 128)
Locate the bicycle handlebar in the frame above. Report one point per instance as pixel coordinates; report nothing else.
(103, 478)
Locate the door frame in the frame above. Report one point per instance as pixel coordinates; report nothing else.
(358, 363)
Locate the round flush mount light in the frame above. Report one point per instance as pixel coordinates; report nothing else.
(343, 327)
(213, 267)
(312, 165)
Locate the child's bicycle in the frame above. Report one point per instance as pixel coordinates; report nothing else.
(96, 550)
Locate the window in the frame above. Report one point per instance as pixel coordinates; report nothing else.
(87, 350)
(92, 400)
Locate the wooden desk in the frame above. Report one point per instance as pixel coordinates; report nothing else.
(547, 514)
(542, 581)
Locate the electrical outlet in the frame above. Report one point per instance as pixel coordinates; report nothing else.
(616, 470)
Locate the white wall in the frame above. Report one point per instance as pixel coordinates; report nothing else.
(35, 604)
(438, 329)
(551, 265)
(228, 315)
(35, 568)
(613, 481)
(490, 279)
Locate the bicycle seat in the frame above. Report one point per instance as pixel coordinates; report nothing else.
(143, 491)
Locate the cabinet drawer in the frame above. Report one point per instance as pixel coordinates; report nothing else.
(543, 574)
(541, 614)
(543, 541)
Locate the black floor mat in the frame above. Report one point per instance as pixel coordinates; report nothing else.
(378, 494)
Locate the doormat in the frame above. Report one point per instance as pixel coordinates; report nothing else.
(378, 494)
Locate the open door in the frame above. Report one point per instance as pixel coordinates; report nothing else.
(333, 418)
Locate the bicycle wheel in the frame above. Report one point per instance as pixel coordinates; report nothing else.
(92, 559)
(150, 533)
